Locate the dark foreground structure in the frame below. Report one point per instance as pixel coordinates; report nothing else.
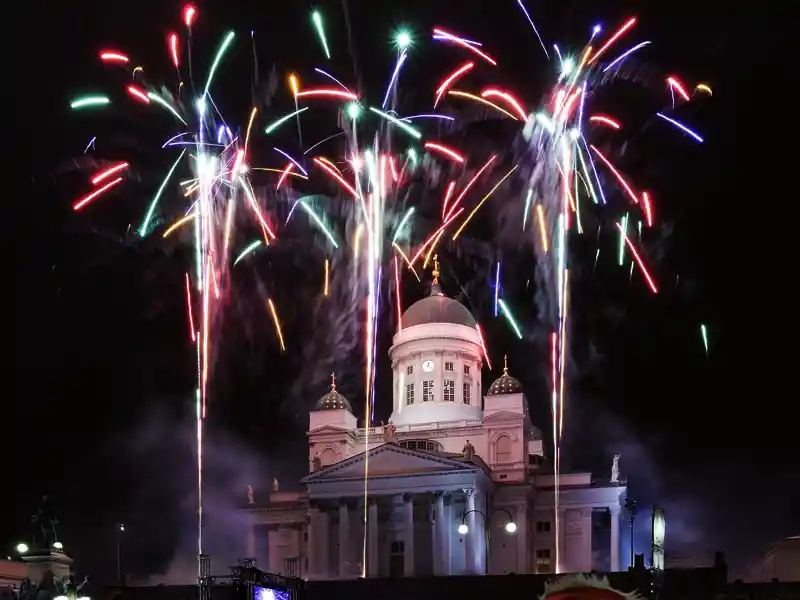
(676, 584)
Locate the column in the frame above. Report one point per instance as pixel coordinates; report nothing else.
(277, 550)
(562, 566)
(311, 545)
(482, 533)
(344, 541)
(614, 538)
(408, 529)
(458, 365)
(439, 532)
(323, 544)
(447, 528)
(469, 540)
(586, 533)
(372, 538)
(438, 377)
(251, 540)
(522, 539)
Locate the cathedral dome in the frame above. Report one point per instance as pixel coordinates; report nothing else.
(436, 357)
(505, 384)
(437, 308)
(333, 400)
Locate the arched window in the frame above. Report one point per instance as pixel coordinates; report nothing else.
(431, 446)
(329, 456)
(502, 449)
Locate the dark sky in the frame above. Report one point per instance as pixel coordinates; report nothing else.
(98, 402)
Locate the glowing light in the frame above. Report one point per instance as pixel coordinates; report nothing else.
(89, 101)
(317, 20)
(113, 56)
(105, 174)
(87, 199)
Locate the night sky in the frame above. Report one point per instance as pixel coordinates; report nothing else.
(99, 375)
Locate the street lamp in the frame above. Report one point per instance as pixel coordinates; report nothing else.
(510, 526)
(120, 531)
(22, 548)
(58, 545)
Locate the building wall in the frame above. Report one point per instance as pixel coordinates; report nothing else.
(439, 343)
(781, 561)
(531, 549)
(12, 572)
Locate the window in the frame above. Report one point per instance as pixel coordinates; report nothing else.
(448, 366)
(410, 370)
(466, 369)
(449, 390)
(543, 527)
(410, 393)
(431, 446)
(502, 449)
(427, 391)
(543, 560)
(329, 456)
(467, 389)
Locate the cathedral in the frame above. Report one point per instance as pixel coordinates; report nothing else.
(454, 484)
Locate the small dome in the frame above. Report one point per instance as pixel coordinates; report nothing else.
(333, 400)
(505, 384)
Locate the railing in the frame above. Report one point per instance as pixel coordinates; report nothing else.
(374, 431)
(509, 465)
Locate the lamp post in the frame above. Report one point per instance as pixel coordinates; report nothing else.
(120, 531)
(510, 527)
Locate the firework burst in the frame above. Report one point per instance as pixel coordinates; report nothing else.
(230, 199)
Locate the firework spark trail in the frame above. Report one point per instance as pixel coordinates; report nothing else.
(558, 168)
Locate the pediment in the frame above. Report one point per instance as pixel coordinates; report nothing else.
(390, 460)
(328, 429)
(503, 415)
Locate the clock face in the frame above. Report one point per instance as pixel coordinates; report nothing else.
(427, 366)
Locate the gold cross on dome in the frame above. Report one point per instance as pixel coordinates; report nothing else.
(435, 269)
(333, 381)
(505, 364)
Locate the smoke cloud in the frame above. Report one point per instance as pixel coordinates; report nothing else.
(160, 544)
(596, 434)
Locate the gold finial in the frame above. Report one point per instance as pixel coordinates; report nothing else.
(435, 269)
(505, 364)
(333, 382)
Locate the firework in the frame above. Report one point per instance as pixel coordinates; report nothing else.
(379, 153)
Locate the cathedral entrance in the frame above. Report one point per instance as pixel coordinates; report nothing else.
(397, 561)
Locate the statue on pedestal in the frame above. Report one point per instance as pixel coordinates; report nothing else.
(615, 469)
(276, 485)
(250, 498)
(44, 526)
(389, 433)
(316, 462)
(468, 451)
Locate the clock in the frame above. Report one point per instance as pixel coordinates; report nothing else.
(427, 366)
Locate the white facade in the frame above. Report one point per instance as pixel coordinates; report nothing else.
(450, 456)
(781, 561)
